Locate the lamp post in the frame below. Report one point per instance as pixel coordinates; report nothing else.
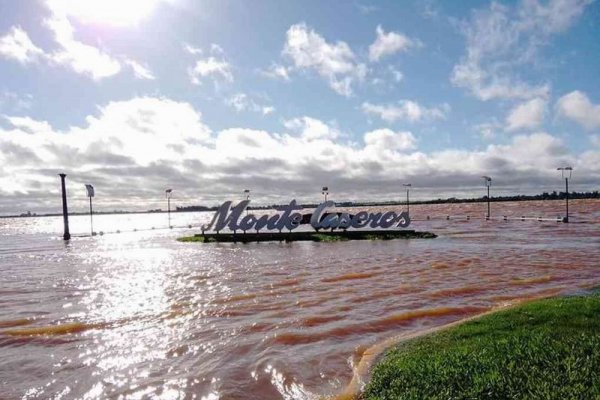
(168, 194)
(90, 193)
(566, 174)
(67, 234)
(488, 183)
(247, 193)
(407, 186)
(325, 192)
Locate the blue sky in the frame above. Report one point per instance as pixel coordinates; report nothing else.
(212, 97)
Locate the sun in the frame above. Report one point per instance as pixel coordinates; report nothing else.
(106, 12)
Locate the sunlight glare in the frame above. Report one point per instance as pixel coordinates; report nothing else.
(108, 12)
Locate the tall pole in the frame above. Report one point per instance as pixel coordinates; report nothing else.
(488, 199)
(247, 193)
(325, 192)
(567, 198)
(91, 218)
(566, 173)
(407, 186)
(67, 234)
(488, 183)
(168, 194)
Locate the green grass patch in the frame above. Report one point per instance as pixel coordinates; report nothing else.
(547, 349)
(322, 236)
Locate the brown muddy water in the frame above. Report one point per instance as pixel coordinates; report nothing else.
(140, 315)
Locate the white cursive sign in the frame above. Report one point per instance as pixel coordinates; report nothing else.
(289, 218)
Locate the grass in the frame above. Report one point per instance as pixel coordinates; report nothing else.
(323, 236)
(547, 349)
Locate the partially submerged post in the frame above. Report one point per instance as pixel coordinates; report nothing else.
(168, 194)
(67, 234)
(566, 174)
(488, 183)
(90, 193)
(407, 186)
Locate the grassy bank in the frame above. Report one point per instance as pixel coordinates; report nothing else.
(547, 349)
(335, 236)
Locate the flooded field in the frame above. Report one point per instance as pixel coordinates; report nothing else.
(137, 314)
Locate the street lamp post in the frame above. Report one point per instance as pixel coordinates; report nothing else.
(325, 192)
(488, 183)
(407, 186)
(247, 193)
(566, 174)
(168, 194)
(90, 193)
(67, 234)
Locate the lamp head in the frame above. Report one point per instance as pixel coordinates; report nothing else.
(168, 193)
(565, 172)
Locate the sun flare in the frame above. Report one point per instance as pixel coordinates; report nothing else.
(106, 12)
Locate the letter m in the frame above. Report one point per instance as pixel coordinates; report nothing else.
(226, 216)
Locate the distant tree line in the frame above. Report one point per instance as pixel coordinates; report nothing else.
(543, 196)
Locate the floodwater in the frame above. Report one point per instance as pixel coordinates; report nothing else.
(139, 315)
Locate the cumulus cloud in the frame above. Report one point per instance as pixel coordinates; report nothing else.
(405, 110)
(311, 128)
(335, 62)
(181, 151)
(214, 67)
(17, 45)
(527, 115)
(382, 140)
(243, 102)
(494, 35)
(276, 71)
(389, 43)
(578, 107)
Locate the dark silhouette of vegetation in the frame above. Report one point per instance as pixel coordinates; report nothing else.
(195, 208)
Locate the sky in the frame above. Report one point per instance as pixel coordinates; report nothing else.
(211, 97)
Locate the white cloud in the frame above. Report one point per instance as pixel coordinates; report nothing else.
(29, 125)
(333, 61)
(396, 74)
(192, 50)
(578, 107)
(311, 128)
(243, 102)
(487, 130)
(501, 39)
(17, 45)
(215, 66)
(276, 71)
(15, 101)
(210, 67)
(527, 115)
(389, 43)
(405, 110)
(382, 140)
(140, 71)
(80, 57)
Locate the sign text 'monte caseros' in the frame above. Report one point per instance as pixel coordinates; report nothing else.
(289, 218)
